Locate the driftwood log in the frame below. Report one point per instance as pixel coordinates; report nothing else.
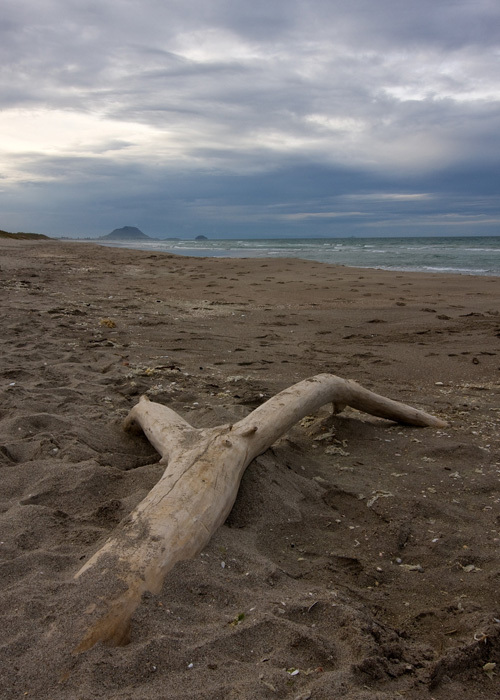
(197, 491)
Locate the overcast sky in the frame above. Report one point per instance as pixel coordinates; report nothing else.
(267, 118)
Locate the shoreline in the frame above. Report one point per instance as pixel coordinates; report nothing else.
(301, 248)
(360, 553)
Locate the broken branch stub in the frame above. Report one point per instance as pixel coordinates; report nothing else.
(197, 491)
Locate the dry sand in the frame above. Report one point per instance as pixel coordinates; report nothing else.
(362, 554)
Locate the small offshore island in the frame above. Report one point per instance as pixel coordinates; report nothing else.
(132, 233)
(126, 233)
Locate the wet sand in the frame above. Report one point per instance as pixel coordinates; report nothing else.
(360, 560)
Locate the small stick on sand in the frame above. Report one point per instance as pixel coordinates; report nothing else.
(197, 491)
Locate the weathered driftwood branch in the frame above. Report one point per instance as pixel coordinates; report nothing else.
(195, 494)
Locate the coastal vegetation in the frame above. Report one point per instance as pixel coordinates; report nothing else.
(22, 235)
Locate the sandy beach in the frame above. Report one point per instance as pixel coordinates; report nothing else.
(360, 560)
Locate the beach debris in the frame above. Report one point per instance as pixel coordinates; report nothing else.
(469, 568)
(267, 685)
(412, 567)
(480, 637)
(204, 467)
(325, 436)
(334, 450)
(489, 668)
(107, 322)
(237, 620)
(337, 450)
(378, 494)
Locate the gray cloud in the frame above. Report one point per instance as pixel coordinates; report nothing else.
(294, 117)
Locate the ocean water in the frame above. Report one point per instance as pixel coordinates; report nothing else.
(467, 256)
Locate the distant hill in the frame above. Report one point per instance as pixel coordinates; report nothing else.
(126, 233)
(6, 234)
